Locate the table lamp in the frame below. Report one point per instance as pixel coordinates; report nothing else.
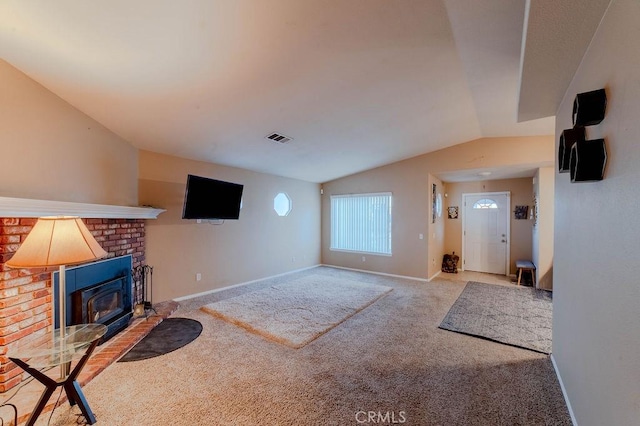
(57, 241)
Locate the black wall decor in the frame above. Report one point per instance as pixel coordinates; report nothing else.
(585, 160)
(588, 160)
(589, 108)
(567, 139)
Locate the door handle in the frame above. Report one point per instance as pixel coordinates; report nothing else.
(504, 241)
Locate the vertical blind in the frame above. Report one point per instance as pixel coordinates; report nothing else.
(361, 223)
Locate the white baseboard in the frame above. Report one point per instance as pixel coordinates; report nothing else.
(564, 391)
(434, 276)
(215, 290)
(377, 273)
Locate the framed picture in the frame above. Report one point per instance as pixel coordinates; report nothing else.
(522, 212)
(434, 206)
(452, 211)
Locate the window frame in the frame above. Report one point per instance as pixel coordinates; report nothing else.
(332, 243)
(485, 204)
(286, 196)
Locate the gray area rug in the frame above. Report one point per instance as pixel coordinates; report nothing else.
(511, 315)
(299, 311)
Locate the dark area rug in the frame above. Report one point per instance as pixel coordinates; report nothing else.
(169, 335)
(514, 316)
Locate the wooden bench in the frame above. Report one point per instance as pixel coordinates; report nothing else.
(526, 266)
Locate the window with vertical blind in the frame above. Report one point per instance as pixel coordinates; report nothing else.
(361, 223)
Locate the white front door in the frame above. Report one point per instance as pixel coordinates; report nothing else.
(485, 226)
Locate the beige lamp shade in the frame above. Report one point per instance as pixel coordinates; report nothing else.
(56, 241)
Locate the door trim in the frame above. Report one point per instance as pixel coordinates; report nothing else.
(464, 225)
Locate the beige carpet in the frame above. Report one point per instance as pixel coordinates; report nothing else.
(300, 311)
(390, 357)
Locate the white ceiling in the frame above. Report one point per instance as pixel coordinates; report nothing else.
(557, 35)
(355, 83)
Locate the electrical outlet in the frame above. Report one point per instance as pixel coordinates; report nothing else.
(293, 259)
(198, 276)
(364, 259)
(421, 236)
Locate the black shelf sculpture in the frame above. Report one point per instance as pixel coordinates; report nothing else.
(589, 108)
(588, 160)
(567, 139)
(585, 160)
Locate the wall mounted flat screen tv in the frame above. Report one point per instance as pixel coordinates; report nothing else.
(207, 198)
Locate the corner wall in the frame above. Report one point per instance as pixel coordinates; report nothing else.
(596, 318)
(258, 245)
(52, 151)
(544, 190)
(436, 230)
(409, 182)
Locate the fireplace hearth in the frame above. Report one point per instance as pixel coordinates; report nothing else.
(100, 292)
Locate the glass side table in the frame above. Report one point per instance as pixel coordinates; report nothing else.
(52, 350)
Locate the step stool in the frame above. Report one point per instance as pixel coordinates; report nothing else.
(526, 266)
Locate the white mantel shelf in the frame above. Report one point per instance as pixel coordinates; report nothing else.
(24, 207)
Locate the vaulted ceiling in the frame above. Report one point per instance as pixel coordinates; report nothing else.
(355, 83)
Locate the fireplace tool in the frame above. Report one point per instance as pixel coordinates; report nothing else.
(143, 278)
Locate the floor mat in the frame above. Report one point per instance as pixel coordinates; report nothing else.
(514, 316)
(169, 335)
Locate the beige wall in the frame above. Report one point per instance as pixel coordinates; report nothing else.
(409, 181)
(258, 245)
(521, 195)
(544, 190)
(596, 312)
(52, 151)
(436, 231)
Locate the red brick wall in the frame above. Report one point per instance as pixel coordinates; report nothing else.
(119, 237)
(25, 294)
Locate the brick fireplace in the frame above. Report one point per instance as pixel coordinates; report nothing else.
(25, 295)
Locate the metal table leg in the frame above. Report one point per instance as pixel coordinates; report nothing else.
(71, 387)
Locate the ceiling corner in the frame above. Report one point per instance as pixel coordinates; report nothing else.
(555, 38)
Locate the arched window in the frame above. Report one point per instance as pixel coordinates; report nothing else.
(485, 203)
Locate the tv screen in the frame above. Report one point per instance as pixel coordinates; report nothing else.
(207, 198)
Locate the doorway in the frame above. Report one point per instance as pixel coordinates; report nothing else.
(486, 232)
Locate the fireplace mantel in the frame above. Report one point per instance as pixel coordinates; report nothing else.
(24, 207)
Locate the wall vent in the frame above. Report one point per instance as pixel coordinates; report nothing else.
(277, 137)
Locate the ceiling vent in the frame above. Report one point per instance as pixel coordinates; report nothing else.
(277, 137)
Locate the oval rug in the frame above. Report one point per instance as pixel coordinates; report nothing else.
(169, 335)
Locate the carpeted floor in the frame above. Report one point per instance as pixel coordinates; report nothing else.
(299, 311)
(518, 316)
(390, 359)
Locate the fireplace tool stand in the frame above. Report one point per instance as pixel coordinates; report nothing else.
(143, 278)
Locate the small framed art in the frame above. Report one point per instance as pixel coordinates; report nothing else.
(452, 212)
(521, 212)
